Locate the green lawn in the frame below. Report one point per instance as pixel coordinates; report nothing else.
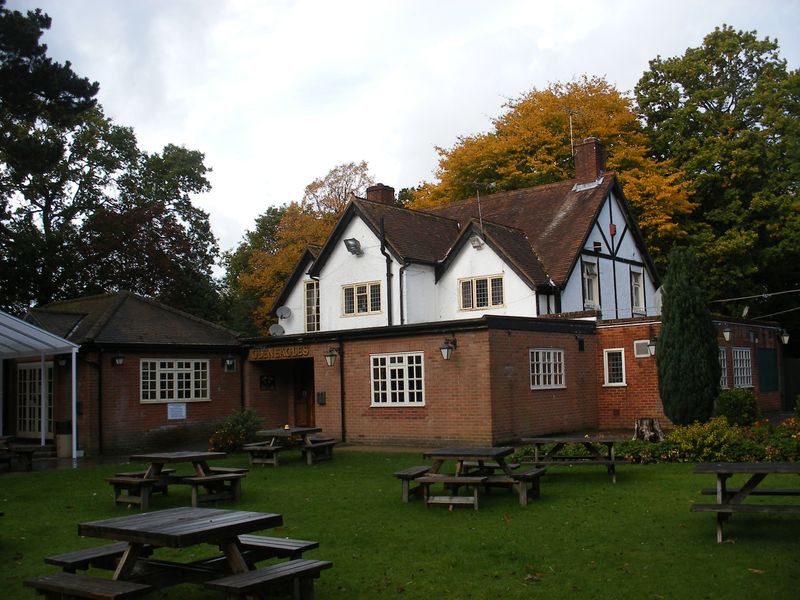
(584, 538)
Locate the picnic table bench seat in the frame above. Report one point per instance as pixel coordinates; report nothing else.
(756, 492)
(236, 470)
(56, 586)
(525, 483)
(262, 453)
(263, 547)
(301, 573)
(163, 479)
(317, 450)
(101, 557)
(469, 466)
(452, 482)
(747, 508)
(408, 476)
(221, 486)
(133, 490)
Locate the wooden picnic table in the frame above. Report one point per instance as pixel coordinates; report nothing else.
(285, 438)
(138, 570)
(220, 484)
(731, 500)
(475, 468)
(179, 528)
(596, 455)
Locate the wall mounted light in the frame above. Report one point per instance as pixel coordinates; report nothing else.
(229, 362)
(726, 333)
(581, 344)
(353, 246)
(330, 356)
(447, 348)
(785, 337)
(118, 360)
(62, 361)
(651, 346)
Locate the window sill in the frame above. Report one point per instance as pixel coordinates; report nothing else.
(186, 400)
(615, 385)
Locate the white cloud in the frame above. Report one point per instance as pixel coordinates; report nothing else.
(277, 93)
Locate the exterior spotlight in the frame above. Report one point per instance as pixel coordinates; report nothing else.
(353, 246)
(651, 346)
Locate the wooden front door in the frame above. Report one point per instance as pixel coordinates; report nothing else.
(304, 393)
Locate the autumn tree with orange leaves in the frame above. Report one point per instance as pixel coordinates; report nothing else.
(531, 144)
(264, 263)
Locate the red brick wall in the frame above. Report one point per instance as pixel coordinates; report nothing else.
(619, 407)
(519, 411)
(130, 425)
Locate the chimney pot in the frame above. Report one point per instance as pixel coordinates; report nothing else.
(589, 160)
(381, 193)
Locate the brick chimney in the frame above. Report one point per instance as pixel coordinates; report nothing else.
(381, 193)
(589, 160)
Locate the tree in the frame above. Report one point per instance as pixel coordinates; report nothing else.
(330, 194)
(727, 114)
(241, 302)
(531, 145)
(82, 209)
(687, 355)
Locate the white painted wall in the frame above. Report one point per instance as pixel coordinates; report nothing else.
(419, 291)
(295, 301)
(520, 300)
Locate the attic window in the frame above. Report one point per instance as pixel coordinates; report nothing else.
(481, 292)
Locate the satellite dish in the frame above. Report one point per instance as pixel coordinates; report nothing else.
(283, 312)
(276, 330)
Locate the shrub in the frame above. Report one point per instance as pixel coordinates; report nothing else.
(234, 431)
(739, 406)
(709, 441)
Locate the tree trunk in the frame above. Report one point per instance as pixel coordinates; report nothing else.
(648, 430)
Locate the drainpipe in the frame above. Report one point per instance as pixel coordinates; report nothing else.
(341, 391)
(100, 404)
(388, 273)
(402, 304)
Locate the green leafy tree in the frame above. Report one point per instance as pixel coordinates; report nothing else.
(727, 114)
(687, 355)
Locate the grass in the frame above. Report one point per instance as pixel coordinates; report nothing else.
(585, 538)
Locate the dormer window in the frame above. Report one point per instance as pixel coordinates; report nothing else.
(481, 292)
(591, 286)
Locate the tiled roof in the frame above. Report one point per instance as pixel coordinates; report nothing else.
(413, 235)
(126, 318)
(555, 219)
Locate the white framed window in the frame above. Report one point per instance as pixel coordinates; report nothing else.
(614, 366)
(637, 292)
(312, 305)
(398, 379)
(742, 368)
(361, 298)
(29, 399)
(591, 285)
(547, 368)
(173, 380)
(723, 366)
(481, 292)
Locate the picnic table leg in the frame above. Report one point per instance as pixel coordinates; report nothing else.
(127, 563)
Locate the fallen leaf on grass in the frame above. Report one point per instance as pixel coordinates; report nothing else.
(756, 571)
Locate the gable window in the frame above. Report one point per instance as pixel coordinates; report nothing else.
(361, 298)
(547, 368)
(742, 368)
(312, 305)
(637, 292)
(174, 380)
(591, 285)
(398, 379)
(481, 292)
(614, 366)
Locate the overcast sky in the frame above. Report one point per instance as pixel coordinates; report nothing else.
(276, 93)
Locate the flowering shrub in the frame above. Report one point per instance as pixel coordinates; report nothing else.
(234, 431)
(718, 440)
